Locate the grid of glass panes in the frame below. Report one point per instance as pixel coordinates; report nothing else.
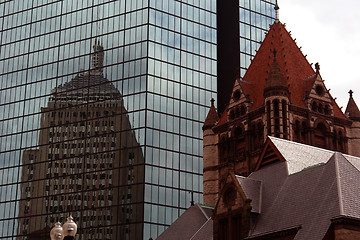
(182, 80)
(83, 154)
(255, 18)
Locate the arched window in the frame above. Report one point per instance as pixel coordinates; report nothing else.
(268, 117)
(240, 142)
(320, 108)
(232, 115)
(260, 133)
(327, 109)
(303, 132)
(242, 110)
(223, 148)
(340, 142)
(284, 116)
(320, 135)
(297, 131)
(237, 112)
(314, 106)
(276, 118)
(335, 141)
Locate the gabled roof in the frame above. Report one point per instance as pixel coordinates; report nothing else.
(309, 189)
(296, 155)
(252, 189)
(293, 64)
(194, 223)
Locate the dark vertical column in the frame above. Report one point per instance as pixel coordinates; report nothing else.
(228, 49)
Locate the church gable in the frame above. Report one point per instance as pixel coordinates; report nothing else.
(231, 195)
(239, 102)
(232, 211)
(317, 97)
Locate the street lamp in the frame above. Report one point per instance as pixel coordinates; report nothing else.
(66, 232)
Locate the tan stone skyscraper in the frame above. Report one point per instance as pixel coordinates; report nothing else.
(88, 163)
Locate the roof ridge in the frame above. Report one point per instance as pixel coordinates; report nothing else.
(344, 155)
(341, 208)
(302, 144)
(192, 237)
(202, 211)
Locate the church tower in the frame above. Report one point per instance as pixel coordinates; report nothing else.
(352, 111)
(211, 158)
(276, 96)
(280, 95)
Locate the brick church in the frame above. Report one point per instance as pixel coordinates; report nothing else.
(277, 161)
(281, 96)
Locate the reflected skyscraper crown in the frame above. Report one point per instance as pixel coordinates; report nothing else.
(97, 58)
(88, 86)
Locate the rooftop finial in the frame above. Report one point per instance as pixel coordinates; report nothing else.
(277, 12)
(274, 52)
(317, 68)
(192, 198)
(351, 93)
(212, 101)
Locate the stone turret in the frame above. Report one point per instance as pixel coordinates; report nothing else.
(352, 111)
(276, 95)
(211, 158)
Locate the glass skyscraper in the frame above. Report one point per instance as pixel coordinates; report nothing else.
(101, 110)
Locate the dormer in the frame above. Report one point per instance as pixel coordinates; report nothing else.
(318, 98)
(239, 102)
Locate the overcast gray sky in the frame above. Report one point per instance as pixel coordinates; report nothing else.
(329, 33)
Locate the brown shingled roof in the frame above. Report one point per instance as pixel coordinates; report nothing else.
(293, 65)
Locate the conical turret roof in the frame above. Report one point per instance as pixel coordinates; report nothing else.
(352, 110)
(275, 78)
(212, 116)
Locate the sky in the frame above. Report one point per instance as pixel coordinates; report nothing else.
(329, 33)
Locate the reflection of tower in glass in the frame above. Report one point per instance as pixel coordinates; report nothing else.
(89, 163)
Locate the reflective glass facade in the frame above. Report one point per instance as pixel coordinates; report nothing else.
(101, 109)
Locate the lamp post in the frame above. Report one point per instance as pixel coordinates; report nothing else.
(65, 232)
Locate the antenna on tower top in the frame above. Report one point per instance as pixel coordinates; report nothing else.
(277, 11)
